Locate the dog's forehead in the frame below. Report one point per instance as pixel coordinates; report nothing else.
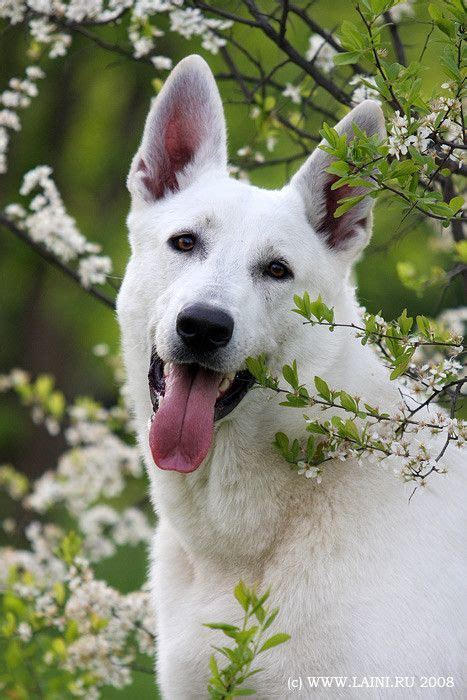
(230, 208)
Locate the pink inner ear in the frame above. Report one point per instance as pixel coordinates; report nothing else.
(340, 230)
(180, 141)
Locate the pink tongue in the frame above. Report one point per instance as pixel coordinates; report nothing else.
(182, 428)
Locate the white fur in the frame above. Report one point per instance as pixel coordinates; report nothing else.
(368, 585)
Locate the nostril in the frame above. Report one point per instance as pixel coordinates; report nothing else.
(187, 327)
(220, 335)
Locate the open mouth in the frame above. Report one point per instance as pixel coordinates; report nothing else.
(187, 399)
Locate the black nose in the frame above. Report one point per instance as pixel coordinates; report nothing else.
(204, 328)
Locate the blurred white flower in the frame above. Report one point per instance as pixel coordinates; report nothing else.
(364, 91)
(293, 92)
(321, 53)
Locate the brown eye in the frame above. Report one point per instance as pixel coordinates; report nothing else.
(184, 243)
(277, 270)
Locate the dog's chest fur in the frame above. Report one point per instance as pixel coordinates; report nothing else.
(346, 561)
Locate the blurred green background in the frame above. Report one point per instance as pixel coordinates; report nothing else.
(86, 124)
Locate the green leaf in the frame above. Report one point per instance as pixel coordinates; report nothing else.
(456, 203)
(445, 25)
(351, 430)
(461, 250)
(241, 594)
(270, 619)
(330, 135)
(346, 58)
(423, 324)
(274, 641)
(290, 375)
(56, 404)
(220, 626)
(242, 691)
(347, 204)
(338, 167)
(348, 402)
(43, 386)
(269, 103)
(402, 363)
(281, 442)
(310, 449)
(315, 427)
(70, 547)
(405, 322)
(322, 388)
(352, 37)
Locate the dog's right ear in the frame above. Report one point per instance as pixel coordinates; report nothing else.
(348, 234)
(184, 133)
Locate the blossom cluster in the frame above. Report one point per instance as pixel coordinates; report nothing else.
(413, 449)
(82, 633)
(17, 96)
(51, 22)
(79, 630)
(48, 223)
(441, 122)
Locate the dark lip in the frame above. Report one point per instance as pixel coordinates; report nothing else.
(224, 405)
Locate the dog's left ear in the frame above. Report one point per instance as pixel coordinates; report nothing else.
(349, 233)
(184, 133)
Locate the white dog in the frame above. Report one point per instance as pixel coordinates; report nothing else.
(368, 585)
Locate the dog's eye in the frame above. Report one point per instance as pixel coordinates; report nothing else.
(277, 270)
(184, 242)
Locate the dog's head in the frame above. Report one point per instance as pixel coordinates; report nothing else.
(216, 262)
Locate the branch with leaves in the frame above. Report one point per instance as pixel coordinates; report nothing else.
(227, 682)
(367, 431)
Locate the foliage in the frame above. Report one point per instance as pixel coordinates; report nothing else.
(366, 431)
(226, 682)
(63, 632)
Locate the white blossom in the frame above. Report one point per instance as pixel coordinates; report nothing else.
(321, 53)
(162, 62)
(189, 22)
(400, 10)
(94, 269)
(18, 96)
(9, 119)
(101, 350)
(13, 10)
(24, 631)
(399, 144)
(364, 89)
(293, 92)
(44, 32)
(455, 320)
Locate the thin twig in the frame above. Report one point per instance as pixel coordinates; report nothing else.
(295, 56)
(354, 326)
(53, 260)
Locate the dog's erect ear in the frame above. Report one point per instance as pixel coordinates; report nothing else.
(184, 133)
(351, 231)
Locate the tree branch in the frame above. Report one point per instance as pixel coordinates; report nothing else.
(53, 260)
(295, 56)
(283, 26)
(395, 38)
